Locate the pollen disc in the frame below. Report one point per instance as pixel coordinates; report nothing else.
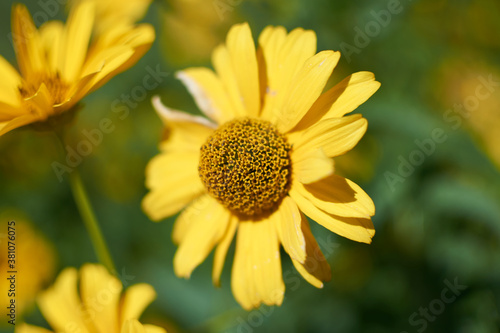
(245, 165)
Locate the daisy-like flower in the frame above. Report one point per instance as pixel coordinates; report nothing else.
(97, 305)
(57, 66)
(260, 160)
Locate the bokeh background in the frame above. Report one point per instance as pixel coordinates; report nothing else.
(437, 196)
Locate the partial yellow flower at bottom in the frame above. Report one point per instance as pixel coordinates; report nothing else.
(97, 305)
(31, 255)
(58, 67)
(260, 160)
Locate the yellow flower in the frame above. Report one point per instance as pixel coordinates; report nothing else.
(58, 68)
(96, 306)
(473, 84)
(34, 262)
(261, 160)
(189, 30)
(110, 13)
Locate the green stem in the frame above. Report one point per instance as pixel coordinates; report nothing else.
(84, 207)
(90, 221)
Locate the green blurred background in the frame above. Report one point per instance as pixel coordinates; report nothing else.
(437, 200)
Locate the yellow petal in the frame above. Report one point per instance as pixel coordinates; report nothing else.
(132, 326)
(42, 101)
(26, 42)
(26, 119)
(10, 77)
(139, 39)
(9, 85)
(335, 136)
(8, 112)
(78, 31)
(256, 274)
(221, 250)
(310, 166)
(343, 98)
(172, 117)
(261, 63)
(224, 67)
(100, 292)
(339, 196)
(288, 224)
(154, 329)
(61, 306)
(174, 192)
(25, 328)
(208, 221)
(209, 94)
(299, 46)
(306, 87)
(315, 269)
(52, 35)
(241, 49)
(184, 137)
(80, 89)
(357, 229)
(135, 300)
(163, 167)
(284, 56)
(181, 227)
(98, 59)
(271, 41)
(110, 63)
(185, 132)
(116, 51)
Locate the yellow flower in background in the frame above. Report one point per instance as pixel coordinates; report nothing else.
(190, 30)
(471, 90)
(96, 305)
(57, 66)
(112, 13)
(261, 160)
(34, 262)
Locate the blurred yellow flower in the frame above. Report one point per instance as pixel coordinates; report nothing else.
(190, 31)
(469, 96)
(112, 13)
(95, 306)
(57, 66)
(34, 262)
(486, 125)
(261, 160)
(483, 119)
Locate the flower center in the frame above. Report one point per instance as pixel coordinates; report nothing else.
(245, 165)
(54, 83)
